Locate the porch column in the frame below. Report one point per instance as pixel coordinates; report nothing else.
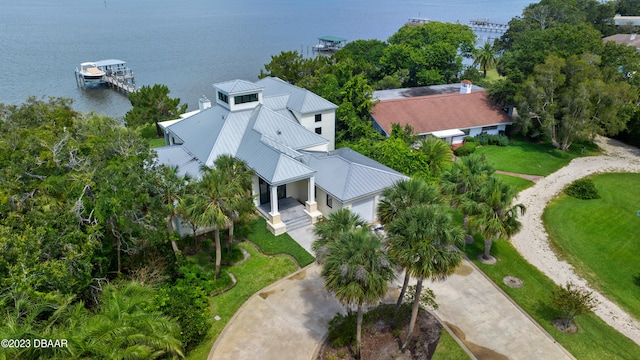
(274, 223)
(274, 200)
(311, 206)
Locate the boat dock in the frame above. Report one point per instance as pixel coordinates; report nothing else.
(330, 44)
(486, 25)
(114, 73)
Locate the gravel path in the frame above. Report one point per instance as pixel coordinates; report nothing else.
(532, 241)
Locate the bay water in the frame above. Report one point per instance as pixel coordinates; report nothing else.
(190, 44)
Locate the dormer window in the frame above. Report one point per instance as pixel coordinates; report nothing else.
(243, 99)
(223, 97)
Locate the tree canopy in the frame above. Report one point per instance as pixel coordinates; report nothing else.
(152, 104)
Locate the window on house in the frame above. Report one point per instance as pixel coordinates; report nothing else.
(319, 130)
(329, 201)
(318, 117)
(242, 99)
(487, 128)
(223, 97)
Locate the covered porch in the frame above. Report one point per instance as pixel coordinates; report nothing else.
(286, 206)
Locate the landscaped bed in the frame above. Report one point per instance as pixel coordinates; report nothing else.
(594, 339)
(601, 237)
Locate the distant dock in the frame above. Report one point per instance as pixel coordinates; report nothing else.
(329, 44)
(486, 25)
(114, 73)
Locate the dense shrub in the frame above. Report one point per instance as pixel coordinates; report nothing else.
(342, 330)
(467, 149)
(189, 305)
(488, 139)
(583, 189)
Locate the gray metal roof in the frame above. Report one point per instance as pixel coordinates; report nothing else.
(300, 100)
(283, 130)
(348, 175)
(237, 86)
(177, 156)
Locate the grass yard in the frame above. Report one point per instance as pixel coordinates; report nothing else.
(594, 340)
(601, 237)
(252, 275)
(517, 182)
(283, 244)
(448, 349)
(525, 157)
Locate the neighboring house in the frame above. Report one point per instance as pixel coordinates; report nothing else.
(620, 20)
(286, 135)
(449, 112)
(624, 39)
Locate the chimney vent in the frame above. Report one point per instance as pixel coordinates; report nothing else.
(465, 87)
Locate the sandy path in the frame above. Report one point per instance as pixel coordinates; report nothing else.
(532, 241)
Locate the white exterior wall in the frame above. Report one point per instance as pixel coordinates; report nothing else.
(328, 124)
(321, 199)
(371, 207)
(298, 190)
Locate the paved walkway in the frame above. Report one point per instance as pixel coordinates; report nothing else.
(288, 320)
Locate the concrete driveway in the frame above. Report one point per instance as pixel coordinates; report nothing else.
(287, 320)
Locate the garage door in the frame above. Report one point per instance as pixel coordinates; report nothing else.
(365, 208)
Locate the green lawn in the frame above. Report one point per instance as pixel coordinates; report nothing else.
(448, 349)
(283, 244)
(254, 274)
(525, 157)
(517, 182)
(594, 339)
(601, 237)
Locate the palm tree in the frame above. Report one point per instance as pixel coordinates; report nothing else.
(438, 154)
(396, 199)
(486, 57)
(125, 328)
(210, 204)
(426, 237)
(236, 171)
(172, 189)
(357, 270)
(462, 181)
(498, 218)
(331, 228)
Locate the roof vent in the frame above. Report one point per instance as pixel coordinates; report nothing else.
(279, 132)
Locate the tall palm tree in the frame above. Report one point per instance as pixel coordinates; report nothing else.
(398, 198)
(210, 204)
(426, 236)
(237, 171)
(357, 270)
(462, 181)
(331, 228)
(438, 153)
(498, 217)
(172, 187)
(486, 57)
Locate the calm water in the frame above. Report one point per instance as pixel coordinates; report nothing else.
(189, 44)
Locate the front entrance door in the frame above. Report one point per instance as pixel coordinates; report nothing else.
(265, 194)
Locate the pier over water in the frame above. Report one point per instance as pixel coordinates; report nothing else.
(114, 73)
(486, 25)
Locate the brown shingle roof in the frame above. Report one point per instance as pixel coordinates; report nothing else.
(427, 114)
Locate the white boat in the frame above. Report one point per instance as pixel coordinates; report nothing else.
(90, 72)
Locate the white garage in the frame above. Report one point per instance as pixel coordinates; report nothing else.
(366, 208)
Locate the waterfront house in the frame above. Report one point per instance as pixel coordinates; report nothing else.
(449, 112)
(286, 135)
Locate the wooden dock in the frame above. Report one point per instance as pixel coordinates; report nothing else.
(116, 75)
(489, 26)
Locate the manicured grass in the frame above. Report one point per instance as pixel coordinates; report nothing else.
(254, 274)
(283, 244)
(525, 157)
(517, 182)
(156, 142)
(600, 237)
(594, 339)
(448, 349)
